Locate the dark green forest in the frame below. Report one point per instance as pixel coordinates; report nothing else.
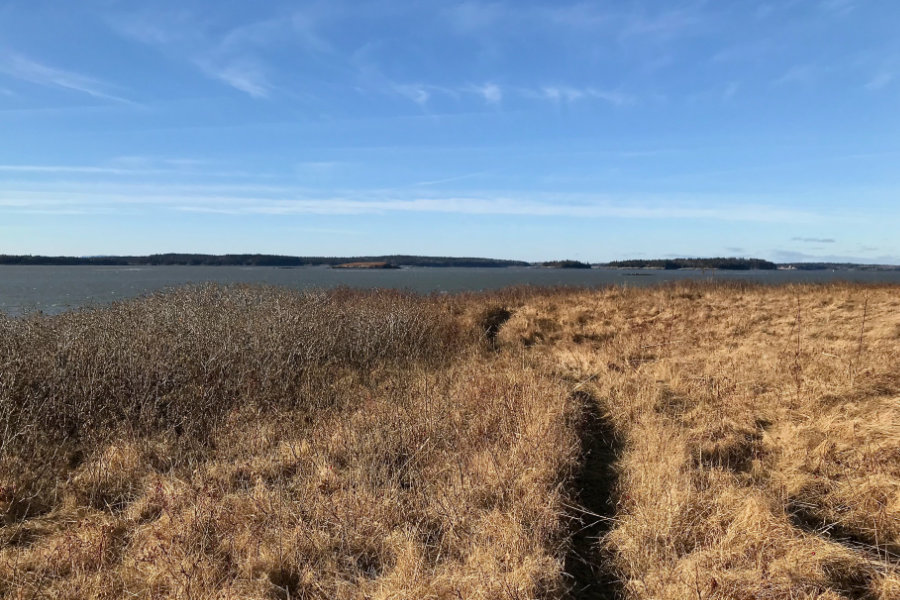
(731, 264)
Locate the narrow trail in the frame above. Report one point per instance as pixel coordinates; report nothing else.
(592, 578)
(589, 570)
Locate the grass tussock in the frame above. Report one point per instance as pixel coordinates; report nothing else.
(686, 441)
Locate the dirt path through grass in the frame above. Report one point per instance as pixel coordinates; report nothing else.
(596, 480)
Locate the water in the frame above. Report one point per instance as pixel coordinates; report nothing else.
(50, 289)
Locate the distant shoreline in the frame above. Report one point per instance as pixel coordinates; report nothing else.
(257, 260)
(398, 261)
(365, 265)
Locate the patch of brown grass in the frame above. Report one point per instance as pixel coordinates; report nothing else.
(761, 427)
(258, 443)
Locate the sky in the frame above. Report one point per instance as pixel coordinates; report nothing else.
(520, 129)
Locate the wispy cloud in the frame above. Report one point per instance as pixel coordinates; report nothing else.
(770, 9)
(296, 27)
(235, 56)
(140, 162)
(730, 90)
(32, 71)
(838, 7)
(798, 74)
(747, 51)
(614, 97)
(245, 75)
(814, 240)
(131, 167)
(505, 205)
(448, 179)
(63, 169)
(717, 93)
(625, 21)
(320, 166)
(328, 231)
(246, 57)
(879, 81)
(564, 93)
(288, 200)
(157, 28)
(665, 25)
(418, 93)
(467, 17)
(491, 92)
(582, 15)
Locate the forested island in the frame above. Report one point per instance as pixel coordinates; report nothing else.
(730, 264)
(742, 264)
(257, 260)
(566, 264)
(365, 265)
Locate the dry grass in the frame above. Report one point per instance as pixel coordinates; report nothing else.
(761, 432)
(258, 443)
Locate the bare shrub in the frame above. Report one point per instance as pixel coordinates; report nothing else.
(258, 443)
(179, 362)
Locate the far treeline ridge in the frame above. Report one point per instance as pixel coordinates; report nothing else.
(402, 260)
(733, 264)
(256, 260)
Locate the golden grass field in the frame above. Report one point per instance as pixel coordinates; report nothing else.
(689, 441)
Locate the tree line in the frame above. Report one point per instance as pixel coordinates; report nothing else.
(254, 260)
(732, 264)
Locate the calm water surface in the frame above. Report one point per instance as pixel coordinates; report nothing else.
(25, 289)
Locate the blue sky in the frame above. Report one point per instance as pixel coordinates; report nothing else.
(531, 130)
